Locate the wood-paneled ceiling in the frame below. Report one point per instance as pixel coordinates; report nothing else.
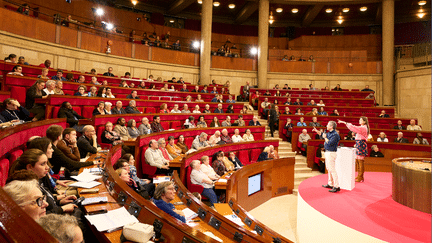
(310, 12)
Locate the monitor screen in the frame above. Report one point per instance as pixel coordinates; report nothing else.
(254, 184)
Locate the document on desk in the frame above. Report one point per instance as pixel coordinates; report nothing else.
(210, 234)
(86, 177)
(112, 220)
(86, 185)
(222, 180)
(161, 179)
(189, 214)
(235, 219)
(92, 170)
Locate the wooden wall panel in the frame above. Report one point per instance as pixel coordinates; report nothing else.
(141, 52)
(320, 67)
(91, 42)
(290, 67)
(119, 48)
(232, 63)
(170, 56)
(68, 37)
(344, 68)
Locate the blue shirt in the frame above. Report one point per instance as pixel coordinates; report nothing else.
(230, 101)
(301, 124)
(169, 209)
(333, 141)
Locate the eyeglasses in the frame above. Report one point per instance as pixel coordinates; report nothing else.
(39, 201)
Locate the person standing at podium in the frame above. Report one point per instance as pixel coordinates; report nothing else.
(362, 133)
(331, 142)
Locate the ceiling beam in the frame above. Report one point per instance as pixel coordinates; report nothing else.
(246, 12)
(327, 2)
(179, 6)
(378, 17)
(311, 14)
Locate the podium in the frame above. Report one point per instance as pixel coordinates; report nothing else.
(345, 167)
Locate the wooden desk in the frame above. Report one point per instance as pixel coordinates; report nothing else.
(223, 185)
(177, 162)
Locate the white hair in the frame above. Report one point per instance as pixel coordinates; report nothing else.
(61, 227)
(20, 191)
(108, 103)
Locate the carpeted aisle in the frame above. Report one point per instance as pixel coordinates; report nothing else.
(369, 208)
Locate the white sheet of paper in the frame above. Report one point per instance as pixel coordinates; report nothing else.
(223, 180)
(189, 214)
(87, 185)
(210, 234)
(235, 219)
(111, 220)
(86, 177)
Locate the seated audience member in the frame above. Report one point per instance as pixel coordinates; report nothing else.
(264, 155)
(227, 122)
(236, 138)
(156, 125)
(201, 122)
(118, 109)
(100, 109)
(230, 109)
(312, 103)
(207, 109)
(240, 122)
(110, 136)
(413, 127)
(145, 128)
(303, 138)
(320, 154)
(288, 126)
(420, 140)
(215, 122)
(189, 123)
(196, 89)
(185, 109)
(383, 114)
(196, 109)
(131, 108)
(141, 85)
(93, 92)
(218, 109)
(94, 81)
(87, 143)
(350, 136)
(102, 92)
(382, 138)
(133, 95)
(199, 99)
(12, 58)
(298, 112)
(132, 129)
(214, 139)
(218, 165)
(64, 228)
(314, 112)
(399, 126)
(72, 117)
(200, 142)
(267, 93)
(204, 90)
(321, 103)
(68, 145)
(46, 64)
(81, 91)
(254, 122)
(400, 138)
(176, 109)
(314, 122)
(59, 76)
(181, 144)
(248, 136)
(184, 88)
(81, 79)
(28, 196)
(154, 157)
(132, 85)
(36, 92)
(301, 123)
(13, 111)
(124, 84)
(298, 102)
(367, 89)
(93, 71)
(16, 70)
(273, 154)
(375, 152)
(109, 73)
(121, 129)
(230, 99)
(108, 107)
(288, 102)
(321, 111)
(225, 137)
(172, 148)
(164, 194)
(337, 88)
(287, 111)
(214, 91)
(200, 178)
(58, 88)
(145, 191)
(44, 74)
(234, 160)
(208, 169)
(335, 113)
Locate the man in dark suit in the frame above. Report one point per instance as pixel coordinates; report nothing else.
(72, 117)
(399, 126)
(118, 109)
(254, 122)
(109, 73)
(400, 138)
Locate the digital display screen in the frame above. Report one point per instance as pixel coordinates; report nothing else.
(254, 184)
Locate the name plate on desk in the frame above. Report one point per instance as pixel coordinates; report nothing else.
(345, 167)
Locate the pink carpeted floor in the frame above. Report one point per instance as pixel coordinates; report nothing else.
(369, 208)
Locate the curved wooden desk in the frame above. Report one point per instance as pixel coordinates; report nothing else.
(412, 183)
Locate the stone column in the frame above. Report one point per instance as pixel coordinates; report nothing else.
(205, 51)
(263, 29)
(388, 87)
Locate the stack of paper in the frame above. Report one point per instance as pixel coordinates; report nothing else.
(211, 235)
(222, 180)
(189, 214)
(86, 177)
(234, 218)
(112, 220)
(87, 185)
(160, 179)
(93, 200)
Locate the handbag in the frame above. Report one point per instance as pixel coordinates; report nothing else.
(138, 232)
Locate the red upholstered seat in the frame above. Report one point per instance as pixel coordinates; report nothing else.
(165, 98)
(176, 99)
(165, 125)
(384, 126)
(57, 108)
(192, 187)
(153, 97)
(258, 136)
(244, 157)
(87, 111)
(175, 125)
(68, 92)
(18, 93)
(150, 110)
(4, 168)
(254, 155)
(300, 146)
(15, 155)
(188, 141)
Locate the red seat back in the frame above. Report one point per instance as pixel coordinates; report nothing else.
(244, 157)
(150, 110)
(18, 93)
(188, 141)
(165, 125)
(87, 111)
(192, 187)
(254, 155)
(175, 124)
(15, 155)
(146, 168)
(4, 168)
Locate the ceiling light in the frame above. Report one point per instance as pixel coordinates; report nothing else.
(216, 4)
(196, 44)
(109, 26)
(99, 12)
(199, 1)
(134, 2)
(329, 10)
(340, 20)
(271, 18)
(294, 10)
(345, 10)
(421, 3)
(421, 13)
(363, 8)
(254, 51)
(171, 20)
(279, 10)
(231, 6)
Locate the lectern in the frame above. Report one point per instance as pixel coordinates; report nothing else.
(345, 167)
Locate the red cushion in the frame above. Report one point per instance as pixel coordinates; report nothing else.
(150, 110)
(4, 168)
(165, 125)
(192, 187)
(175, 125)
(146, 168)
(254, 155)
(15, 155)
(87, 111)
(188, 141)
(244, 157)
(18, 93)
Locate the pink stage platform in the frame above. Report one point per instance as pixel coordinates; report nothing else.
(368, 210)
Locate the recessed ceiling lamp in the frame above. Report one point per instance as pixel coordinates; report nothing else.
(231, 6)
(171, 20)
(340, 20)
(279, 10)
(271, 18)
(294, 10)
(134, 2)
(421, 3)
(345, 10)
(329, 10)
(421, 13)
(216, 4)
(199, 1)
(363, 8)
